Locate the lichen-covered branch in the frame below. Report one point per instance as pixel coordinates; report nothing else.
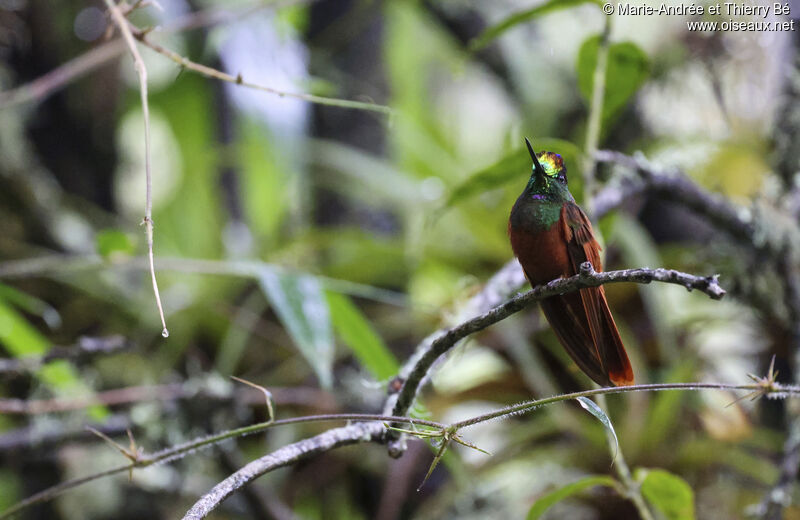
(508, 278)
(587, 278)
(331, 439)
(673, 185)
(375, 432)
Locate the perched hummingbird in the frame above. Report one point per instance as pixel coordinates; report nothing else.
(551, 236)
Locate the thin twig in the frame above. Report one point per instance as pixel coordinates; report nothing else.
(761, 388)
(211, 72)
(141, 71)
(630, 486)
(362, 432)
(181, 450)
(42, 87)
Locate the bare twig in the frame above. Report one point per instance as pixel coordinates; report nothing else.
(761, 388)
(176, 452)
(360, 432)
(141, 70)
(263, 502)
(44, 86)
(363, 432)
(211, 72)
(587, 278)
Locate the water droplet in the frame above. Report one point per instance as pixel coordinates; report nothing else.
(165, 333)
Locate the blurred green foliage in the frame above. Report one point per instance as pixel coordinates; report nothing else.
(627, 69)
(367, 234)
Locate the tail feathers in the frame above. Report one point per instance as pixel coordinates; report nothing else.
(584, 325)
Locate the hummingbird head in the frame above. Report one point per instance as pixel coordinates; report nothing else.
(549, 176)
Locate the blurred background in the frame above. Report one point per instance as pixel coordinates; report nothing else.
(309, 248)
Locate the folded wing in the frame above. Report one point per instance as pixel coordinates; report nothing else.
(582, 320)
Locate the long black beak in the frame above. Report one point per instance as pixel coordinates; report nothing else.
(536, 166)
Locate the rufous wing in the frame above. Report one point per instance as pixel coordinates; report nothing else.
(588, 310)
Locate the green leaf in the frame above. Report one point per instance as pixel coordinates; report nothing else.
(516, 165)
(18, 336)
(237, 338)
(22, 340)
(112, 243)
(31, 304)
(523, 16)
(60, 374)
(10, 488)
(547, 501)
(598, 412)
(628, 67)
(356, 332)
(299, 301)
(668, 493)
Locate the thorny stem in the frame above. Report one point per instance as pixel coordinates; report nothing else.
(762, 388)
(141, 71)
(765, 386)
(176, 452)
(366, 433)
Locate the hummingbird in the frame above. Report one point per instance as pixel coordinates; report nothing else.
(551, 237)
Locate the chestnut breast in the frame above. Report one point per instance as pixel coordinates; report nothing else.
(541, 252)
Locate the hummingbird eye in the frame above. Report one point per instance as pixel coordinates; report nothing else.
(562, 178)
